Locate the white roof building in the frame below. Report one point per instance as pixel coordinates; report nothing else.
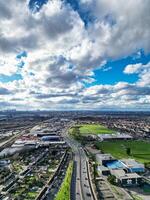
(116, 136)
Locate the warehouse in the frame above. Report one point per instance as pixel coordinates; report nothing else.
(117, 136)
(45, 134)
(50, 138)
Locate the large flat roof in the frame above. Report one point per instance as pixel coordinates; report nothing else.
(131, 163)
(104, 156)
(122, 175)
(102, 168)
(117, 164)
(113, 136)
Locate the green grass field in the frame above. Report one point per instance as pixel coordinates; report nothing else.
(64, 192)
(140, 150)
(86, 129)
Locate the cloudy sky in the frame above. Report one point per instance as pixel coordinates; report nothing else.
(75, 54)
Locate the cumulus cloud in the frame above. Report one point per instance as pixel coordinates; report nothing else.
(131, 69)
(8, 66)
(62, 50)
(143, 72)
(137, 68)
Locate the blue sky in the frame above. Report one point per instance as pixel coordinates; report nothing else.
(105, 43)
(5, 79)
(115, 70)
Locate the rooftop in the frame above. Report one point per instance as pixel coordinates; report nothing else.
(119, 173)
(102, 168)
(131, 163)
(117, 164)
(104, 156)
(113, 136)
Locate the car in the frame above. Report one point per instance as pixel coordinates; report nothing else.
(88, 194)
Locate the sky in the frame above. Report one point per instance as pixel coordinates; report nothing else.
(75, 55)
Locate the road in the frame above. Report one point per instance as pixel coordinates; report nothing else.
(83, 189)
(10, 141)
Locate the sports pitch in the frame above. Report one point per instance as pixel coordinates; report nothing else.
(94, 129)
(140, 150)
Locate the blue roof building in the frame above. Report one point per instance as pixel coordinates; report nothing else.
(133, 166)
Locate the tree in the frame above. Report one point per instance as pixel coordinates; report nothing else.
(128, 151)
(147, 165)
(112, 179)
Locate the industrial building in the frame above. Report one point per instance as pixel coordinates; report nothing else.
(102, 159)
(129, 165)
(41, 134)
(50, 138)
(116, 136)
(125, 171)
(115, 164)
(23, 143)
(133, 166)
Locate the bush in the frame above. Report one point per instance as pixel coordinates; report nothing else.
(112, 179)
(147, 165)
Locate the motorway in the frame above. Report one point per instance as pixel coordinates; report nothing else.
(83, 189)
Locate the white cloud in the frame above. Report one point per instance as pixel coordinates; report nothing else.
(62, 52)
(143, 72)
(8, 67)
(131, 69)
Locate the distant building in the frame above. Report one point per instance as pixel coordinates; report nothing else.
(25, 142)
(117, 136)
(48, 143)
(50, 138)
(126, 179)
(41, 134)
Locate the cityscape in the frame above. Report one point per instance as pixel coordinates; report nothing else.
(74, 100)
(74, 155)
